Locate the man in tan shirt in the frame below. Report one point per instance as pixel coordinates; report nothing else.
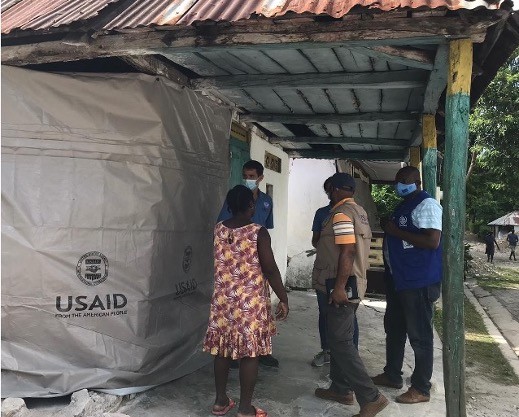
(340, 267)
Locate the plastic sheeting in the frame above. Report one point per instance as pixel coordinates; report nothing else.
(110, 188)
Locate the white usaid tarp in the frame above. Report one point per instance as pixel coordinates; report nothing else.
(111, 185)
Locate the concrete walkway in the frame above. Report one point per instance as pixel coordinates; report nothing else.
(288, 391)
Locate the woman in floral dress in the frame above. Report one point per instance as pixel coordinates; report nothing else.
(241, 323)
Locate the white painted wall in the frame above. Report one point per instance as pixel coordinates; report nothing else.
(305, 196)
(258, 146)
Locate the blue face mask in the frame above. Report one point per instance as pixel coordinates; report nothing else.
(404, 189)
(250, 184)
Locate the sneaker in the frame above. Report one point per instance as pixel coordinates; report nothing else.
(321, 359)
(269, 360)
(412, 396)
(329, 394)
(373, 408)
(384, 381)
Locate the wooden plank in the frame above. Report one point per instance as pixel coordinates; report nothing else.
(400, 55)
(152, 65)
(414, 156)
(194, 62)
(264, 33)
(378, 80)
(456, 148)
(324, 59)
(437, 81)
(292, 60)
(430, 153)
(374, 117)
(366, 156)
(340, 140)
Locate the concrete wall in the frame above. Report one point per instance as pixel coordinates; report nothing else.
(258, 146)
(305, 196)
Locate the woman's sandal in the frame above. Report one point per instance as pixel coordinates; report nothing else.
(224, 410)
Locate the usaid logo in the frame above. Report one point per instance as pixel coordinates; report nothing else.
(92, 268)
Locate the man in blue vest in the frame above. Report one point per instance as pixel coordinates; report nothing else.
(252, 173)
(413, 259)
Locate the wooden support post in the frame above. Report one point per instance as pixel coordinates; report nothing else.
(455, 163)
(430, 156)
(414, 157)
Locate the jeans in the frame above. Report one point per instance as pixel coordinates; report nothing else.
(409, 313)
(322, 302)
(347, 370)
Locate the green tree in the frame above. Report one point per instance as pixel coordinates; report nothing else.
(493, 174)
(385, 199)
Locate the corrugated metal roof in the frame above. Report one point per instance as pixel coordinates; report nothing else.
(510, 219)
(44, 14)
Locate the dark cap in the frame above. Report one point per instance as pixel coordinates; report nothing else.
(343, 181)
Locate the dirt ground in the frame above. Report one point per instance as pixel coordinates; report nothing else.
(485, 398)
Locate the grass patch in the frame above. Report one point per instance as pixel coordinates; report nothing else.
(481, 351)
(502, 279)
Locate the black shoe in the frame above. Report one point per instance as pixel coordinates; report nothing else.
(269, 360)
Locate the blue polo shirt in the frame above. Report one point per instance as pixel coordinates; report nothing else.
(319, 218)
(262, 214)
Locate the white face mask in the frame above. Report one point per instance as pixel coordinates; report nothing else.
(250, 184)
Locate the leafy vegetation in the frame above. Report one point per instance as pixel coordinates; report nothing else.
(481, 351)
(385, 199)
(492, 189)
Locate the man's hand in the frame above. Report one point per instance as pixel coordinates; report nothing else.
(282, 311)
(338, 297)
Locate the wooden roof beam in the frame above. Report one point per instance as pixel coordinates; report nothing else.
(311, 119)
(339, 140)
(365, 156)
(365, 80)
(149, 64)
(409, 57)
(437, 80)
(261, 34)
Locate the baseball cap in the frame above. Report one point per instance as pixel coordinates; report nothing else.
(343, 181)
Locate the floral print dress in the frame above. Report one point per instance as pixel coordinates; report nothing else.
(240, 322)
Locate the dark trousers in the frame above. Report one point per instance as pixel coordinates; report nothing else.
(322, 302)
(347, 370)
(409, 313)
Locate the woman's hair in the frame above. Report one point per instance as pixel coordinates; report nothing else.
(239, 199)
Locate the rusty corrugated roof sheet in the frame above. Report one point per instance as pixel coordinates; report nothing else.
(510, 219)
(44, 14)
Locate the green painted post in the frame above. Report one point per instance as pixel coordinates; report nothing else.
(430, 154)
(456, 145)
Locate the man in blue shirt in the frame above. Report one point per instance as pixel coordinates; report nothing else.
(512, 241)
(252, 172)
(263, 213)
(413, 259)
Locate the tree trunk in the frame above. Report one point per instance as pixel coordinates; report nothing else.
(473, 163)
